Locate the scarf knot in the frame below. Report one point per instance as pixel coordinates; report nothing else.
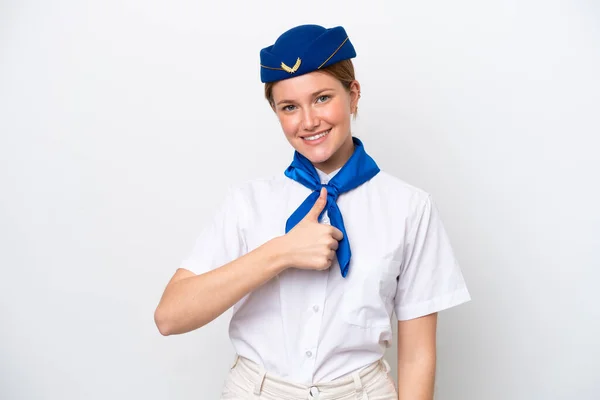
(359, 169)
(332, 192)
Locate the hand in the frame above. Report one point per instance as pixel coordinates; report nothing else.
(311, 245)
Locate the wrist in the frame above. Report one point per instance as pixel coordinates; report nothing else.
(279, 256)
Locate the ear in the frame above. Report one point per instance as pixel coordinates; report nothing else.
(354, 96)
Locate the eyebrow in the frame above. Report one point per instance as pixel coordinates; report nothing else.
(313, 95)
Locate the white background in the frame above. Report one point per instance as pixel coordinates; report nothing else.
(122, 122)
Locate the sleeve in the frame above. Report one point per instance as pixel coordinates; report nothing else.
(221, 240)
(430, 278)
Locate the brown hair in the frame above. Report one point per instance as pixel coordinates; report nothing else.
(343, 71)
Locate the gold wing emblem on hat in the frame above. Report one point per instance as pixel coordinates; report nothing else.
(294, 68)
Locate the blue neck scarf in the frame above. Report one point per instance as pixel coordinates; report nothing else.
(358, 169)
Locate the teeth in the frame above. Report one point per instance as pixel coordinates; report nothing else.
(320, 135)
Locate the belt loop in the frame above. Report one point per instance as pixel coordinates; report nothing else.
(260, 379)
(386, 365)
(361, 392)
(237, 357)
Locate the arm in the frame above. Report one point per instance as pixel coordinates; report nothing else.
(191, 301)
(417, 358)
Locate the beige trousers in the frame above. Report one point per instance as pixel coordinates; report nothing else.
(249, 381)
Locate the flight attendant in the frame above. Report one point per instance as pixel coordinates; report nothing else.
(315, 259)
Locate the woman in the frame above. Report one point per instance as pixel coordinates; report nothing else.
(315, 260)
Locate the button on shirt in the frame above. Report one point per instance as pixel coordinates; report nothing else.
(315, 326)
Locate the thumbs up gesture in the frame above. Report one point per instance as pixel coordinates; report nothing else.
(311, 245)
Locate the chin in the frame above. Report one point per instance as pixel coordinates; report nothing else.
(318, 160)
(317, 155)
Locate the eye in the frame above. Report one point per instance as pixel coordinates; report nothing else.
(322, 98)
(288, 108)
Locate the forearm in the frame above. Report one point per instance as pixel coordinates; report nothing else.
(416, 376)
(193, 302)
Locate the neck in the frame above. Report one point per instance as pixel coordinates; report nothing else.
(338, 159)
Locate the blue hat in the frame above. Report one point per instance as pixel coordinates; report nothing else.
(304, 49)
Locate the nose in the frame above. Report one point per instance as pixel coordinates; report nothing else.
(309, 120)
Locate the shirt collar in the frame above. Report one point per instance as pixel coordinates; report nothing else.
(325, 178)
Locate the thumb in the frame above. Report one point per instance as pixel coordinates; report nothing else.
(319, 205)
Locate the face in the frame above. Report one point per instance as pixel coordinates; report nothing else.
(314, 111)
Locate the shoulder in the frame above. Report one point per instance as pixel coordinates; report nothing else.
(256, 189)
(397, 191)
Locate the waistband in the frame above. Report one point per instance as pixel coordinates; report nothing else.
(354, 382)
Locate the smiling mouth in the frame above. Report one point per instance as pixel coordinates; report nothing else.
(317, 136)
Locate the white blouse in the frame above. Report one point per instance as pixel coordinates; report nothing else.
(314, 326)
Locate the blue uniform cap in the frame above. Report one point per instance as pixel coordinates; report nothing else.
(304, 49)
